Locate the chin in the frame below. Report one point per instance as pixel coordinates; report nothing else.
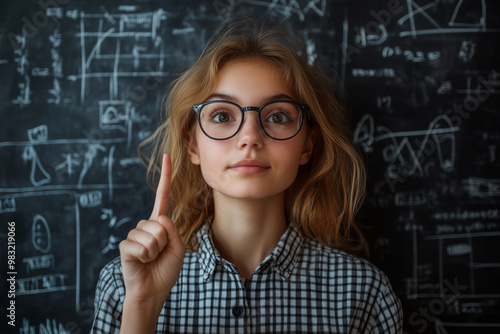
(253, 195)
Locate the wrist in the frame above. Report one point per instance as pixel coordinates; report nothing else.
(140, 315)
(141, 301)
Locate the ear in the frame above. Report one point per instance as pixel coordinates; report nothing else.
(308, 147)
(193, 149)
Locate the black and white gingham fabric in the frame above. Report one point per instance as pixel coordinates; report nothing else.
(301, 287)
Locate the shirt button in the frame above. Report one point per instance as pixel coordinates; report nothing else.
(237, 311)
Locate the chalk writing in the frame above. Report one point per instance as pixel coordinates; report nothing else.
(48, 326)
(479, 187)
(42, 284)
(39, 262)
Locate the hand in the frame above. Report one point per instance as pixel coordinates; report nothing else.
(153, 252)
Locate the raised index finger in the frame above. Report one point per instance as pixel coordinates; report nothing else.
(163, 192)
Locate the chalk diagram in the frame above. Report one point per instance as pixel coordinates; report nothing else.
(79, 174)
(406, 151)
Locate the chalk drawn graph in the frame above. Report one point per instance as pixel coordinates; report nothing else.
(406, 151)
(422, 19)
(141, 30)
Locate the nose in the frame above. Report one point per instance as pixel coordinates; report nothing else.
(250, 134)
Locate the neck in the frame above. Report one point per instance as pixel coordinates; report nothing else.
(246, 231)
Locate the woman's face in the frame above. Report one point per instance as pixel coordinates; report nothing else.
(250, 165)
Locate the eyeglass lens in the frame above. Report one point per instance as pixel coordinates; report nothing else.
(279, 120)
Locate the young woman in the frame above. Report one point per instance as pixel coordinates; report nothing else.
(252, 228)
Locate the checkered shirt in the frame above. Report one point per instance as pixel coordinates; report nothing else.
(301, 287)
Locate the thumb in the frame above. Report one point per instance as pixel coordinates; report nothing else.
(175, 242)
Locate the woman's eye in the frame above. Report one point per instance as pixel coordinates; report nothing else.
(222, 117)
(278, 117)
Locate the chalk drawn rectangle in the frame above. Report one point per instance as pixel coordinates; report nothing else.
(47, 250)
(114, 115)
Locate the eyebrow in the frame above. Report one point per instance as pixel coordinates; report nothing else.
(232, 98)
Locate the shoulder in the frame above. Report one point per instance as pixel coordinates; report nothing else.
(313, 248)
(110, 284)
(113, 267)
(111, 272)
(340, 267)
(109, 296)
(358, 281)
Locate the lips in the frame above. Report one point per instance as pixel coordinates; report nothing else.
(249, 166)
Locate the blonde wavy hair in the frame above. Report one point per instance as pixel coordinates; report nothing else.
(328, 190)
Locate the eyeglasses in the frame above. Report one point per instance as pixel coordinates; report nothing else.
(280, 120)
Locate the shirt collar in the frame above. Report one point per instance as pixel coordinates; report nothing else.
(208, 257)
(282, 259)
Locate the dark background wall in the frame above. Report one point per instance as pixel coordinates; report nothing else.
(81, 85)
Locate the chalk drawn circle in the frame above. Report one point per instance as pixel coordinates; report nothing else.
(40, 236)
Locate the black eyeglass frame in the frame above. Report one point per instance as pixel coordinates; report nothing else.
(303, 108)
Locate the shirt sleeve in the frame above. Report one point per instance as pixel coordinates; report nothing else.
(388, 314)
(109, 297)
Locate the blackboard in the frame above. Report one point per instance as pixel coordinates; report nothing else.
(82, 83)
